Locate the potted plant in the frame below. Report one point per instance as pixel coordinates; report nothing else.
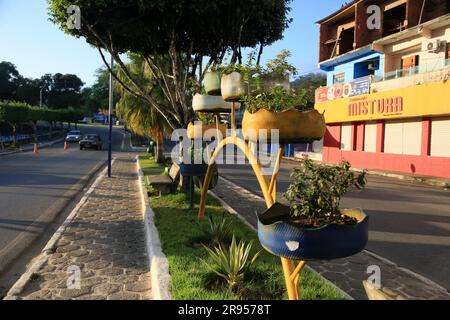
(283, 110)
(314, 227)
(212, 82)
(206, 128)
(234, 82)
(278, 72)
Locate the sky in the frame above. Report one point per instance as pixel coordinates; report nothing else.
(37, 47)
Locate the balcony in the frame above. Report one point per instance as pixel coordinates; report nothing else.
(435, 71)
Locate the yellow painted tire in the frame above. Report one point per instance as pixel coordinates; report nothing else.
(294, 126)
(205, 132)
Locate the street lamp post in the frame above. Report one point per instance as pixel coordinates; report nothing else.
(111, 97)
(40, 96)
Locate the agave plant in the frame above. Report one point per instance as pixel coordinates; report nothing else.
(231, 264)
(219, 230)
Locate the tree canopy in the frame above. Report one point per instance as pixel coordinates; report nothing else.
(182, 32)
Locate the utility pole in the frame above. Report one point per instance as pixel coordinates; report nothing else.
(111, 101)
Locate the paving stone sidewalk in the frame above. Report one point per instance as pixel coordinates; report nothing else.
(106, 241)
(347, 274)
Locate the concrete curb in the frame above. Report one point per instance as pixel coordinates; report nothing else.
(233, 212)
(28, 149)
(20, 285)
(159, 265)
(442, 183)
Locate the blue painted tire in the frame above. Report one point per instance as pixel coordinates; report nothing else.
(193, 170)
(327, 243)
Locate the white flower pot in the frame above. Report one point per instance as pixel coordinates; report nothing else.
(211, 104)
(212, 83)
(233, 87)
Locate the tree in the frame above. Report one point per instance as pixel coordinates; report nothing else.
(309, 84)
(9, 81)
(14, 114)
(96, 97)
(173, 37)
(64, 91)
(141, 117)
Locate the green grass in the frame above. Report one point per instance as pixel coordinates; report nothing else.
(182, 236)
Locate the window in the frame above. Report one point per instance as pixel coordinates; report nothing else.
(447, 54)
(339, 78)
(346, 137)
(370, 137)
(403, 137)
(394, 19)
(440, 137)
(366, 68)
(347, 39)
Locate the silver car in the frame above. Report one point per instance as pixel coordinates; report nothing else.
(74, 136)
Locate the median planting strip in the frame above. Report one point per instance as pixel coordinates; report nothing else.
(184, 240)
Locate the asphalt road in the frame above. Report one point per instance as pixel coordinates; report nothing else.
(34, 190)
(409, 223)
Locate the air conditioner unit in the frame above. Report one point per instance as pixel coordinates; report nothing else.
(435, 46)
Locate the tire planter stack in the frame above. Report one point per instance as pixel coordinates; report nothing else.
(287, 240)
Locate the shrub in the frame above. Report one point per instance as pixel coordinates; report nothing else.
(231, 264)
(276, 100)
(219, 230)
(317, 190)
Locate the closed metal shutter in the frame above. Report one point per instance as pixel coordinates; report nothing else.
(403, 137)
(370, 137)
(346, 137)
(440, 137)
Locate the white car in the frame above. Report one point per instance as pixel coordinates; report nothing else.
(74, 136)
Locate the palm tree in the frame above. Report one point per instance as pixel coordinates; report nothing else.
(142, 118)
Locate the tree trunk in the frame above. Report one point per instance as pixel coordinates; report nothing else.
(35, 131)
(14, 135)
(159, 154)
(50, 134)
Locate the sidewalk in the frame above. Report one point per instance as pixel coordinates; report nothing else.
(347, 274)
(105, 240)
(30, 147)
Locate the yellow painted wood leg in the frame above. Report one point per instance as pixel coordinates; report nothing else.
(273, 182)
(288, 269)
(233, 119)
(256, 165)
(296, 275)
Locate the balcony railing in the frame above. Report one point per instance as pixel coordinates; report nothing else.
(437, 65)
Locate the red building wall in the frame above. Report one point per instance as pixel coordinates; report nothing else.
(419, 165)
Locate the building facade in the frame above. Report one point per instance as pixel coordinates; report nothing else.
(387, 100)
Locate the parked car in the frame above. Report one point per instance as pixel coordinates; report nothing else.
(74, 136)
(91, 141)
(86, 120)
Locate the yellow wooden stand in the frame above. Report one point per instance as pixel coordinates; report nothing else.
(269, 189)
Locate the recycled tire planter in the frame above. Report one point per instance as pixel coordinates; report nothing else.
(214, 180)
(294, 126)
(212, 83)
(330, 242)
(193, 170)
(232, 87)
(206, 132)
(211, 104)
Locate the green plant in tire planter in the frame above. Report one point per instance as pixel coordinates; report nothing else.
(313, 227)
(316, 192)
(231, 264)
(276, 100)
